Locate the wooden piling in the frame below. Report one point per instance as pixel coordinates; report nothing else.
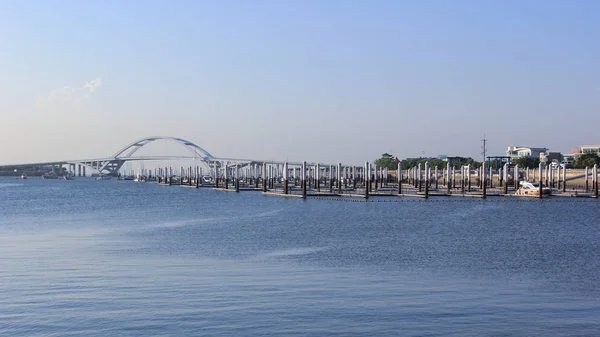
(595, 180)
(216, 176)
(516, 177)
(541, 192)
(237, 178)
(420, 178)
(505, 177)
(331, 180)
(255, 175)
(462, 179)
(303, 174)
(318, 177)
(339, 178)
(426, 180)
(449, 178)
(367, 176)
(264, 177)
(469, 176)
(285, 178)
(226, 176)
(453, 177)
(399, 174)
(564, 189)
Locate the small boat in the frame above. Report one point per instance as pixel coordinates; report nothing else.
(23, 176)
(532, 189)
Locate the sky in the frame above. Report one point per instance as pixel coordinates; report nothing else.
(329, 81)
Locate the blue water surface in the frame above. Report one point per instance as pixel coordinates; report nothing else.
(118, 258)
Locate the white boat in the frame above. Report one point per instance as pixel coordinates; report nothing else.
(532, 189)
(23, 176)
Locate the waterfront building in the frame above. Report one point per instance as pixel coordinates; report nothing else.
(522, 151)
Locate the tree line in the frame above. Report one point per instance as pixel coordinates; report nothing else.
(391, 163)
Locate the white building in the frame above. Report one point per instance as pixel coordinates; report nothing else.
(522, 151)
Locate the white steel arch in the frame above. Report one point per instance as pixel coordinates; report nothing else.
(130, 149)
(118, 159)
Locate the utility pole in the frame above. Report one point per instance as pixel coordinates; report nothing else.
(484, 140)
(483, 168)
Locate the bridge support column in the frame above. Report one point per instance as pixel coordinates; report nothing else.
(83, 169)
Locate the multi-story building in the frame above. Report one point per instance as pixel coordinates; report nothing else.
(522, 151)
(589, 149)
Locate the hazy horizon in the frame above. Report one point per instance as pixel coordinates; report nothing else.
(331, 81)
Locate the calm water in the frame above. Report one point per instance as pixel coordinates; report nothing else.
(109, 258)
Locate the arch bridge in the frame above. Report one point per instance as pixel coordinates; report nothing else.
(111, 165)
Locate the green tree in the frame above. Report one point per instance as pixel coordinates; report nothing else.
(587, 159)
(387, 160)
(527, 162)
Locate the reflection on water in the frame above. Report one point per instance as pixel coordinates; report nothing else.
(102, 258)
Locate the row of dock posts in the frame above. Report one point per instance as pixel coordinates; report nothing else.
(339, 178)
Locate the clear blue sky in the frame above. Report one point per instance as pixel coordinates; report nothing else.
(315, 80)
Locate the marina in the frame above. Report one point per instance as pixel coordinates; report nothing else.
(313, 179)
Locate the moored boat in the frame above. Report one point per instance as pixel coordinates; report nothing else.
(532, 189)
